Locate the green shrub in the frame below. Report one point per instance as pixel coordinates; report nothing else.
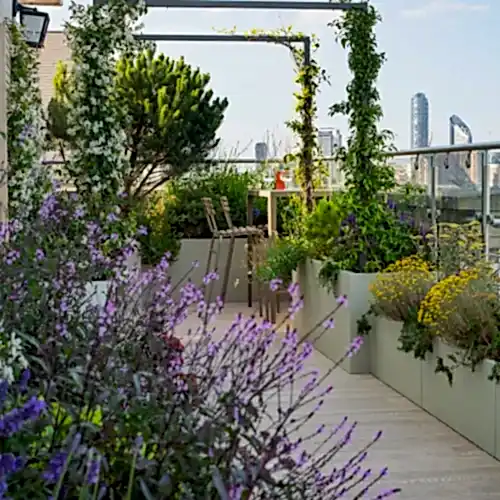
(321, 227)
(184, 205)
(283, 257)
(160, 236)
(370, 238)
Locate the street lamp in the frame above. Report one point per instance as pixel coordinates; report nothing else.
(34, 23)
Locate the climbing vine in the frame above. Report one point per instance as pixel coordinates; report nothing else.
(364, 161)
(308, 76)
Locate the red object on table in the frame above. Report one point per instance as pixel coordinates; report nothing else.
(278, 181)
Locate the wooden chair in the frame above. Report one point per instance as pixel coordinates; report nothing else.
(231, 233)
(253, 234)
(216, 234)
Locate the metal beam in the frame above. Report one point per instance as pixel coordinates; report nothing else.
(184, 37)
(251, 4)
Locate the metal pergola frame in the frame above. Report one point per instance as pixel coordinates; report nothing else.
(248, 5)
(281, 39)
(251, 4)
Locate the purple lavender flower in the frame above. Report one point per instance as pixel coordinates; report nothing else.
(355, 346)
(342, 300)
(39, 254)
(293, 289)
(79, 213)
(9, 464)
(391, 204)
(4, 389)
(212, 276)
(93, 470)
(24, 379)
(142, 231)
(112, 217)
(329, 323)
(55, 467)
(14, 420)
(275, 284)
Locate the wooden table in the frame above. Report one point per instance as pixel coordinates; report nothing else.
(271, 195)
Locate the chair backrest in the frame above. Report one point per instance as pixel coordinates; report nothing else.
(210, 215)
(227, 211)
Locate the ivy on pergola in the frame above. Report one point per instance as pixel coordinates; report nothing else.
(306, 167)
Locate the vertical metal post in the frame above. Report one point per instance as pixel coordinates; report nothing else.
(308, 126)
(432, 192)
(485, 203)
(433, 171)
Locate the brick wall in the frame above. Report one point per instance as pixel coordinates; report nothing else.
(55, 50)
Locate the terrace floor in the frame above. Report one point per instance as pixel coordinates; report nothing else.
(425, 458)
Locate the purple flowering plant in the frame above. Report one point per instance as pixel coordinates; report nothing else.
(115, 409)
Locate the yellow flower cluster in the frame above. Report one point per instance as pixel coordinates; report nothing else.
(412, 263)
(438, 304)
(402, 286)
(404, 273)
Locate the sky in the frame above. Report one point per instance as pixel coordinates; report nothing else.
(447, 49)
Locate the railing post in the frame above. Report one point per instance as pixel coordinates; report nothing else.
(485, 203)
(432, 193)
(433, 172)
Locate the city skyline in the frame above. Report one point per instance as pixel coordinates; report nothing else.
(425, 46)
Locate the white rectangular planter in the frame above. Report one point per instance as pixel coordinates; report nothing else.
(319, 302)
(397, 369)
(197, 250)
(97, 291)
(468, 406)
(497, 421)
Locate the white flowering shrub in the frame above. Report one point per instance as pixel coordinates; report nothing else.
(96, 36)
(24, 122)
(11, 355)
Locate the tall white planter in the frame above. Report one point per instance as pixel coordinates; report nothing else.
(395, 368)
(319, 302)
(469, 405)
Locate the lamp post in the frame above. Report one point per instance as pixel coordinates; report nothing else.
(35, 25)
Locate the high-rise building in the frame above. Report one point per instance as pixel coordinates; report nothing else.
(329, 140)
(261, 151)
(419, 121)
(457, 123)
(461, 169)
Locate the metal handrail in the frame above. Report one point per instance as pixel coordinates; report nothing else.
(427, 151)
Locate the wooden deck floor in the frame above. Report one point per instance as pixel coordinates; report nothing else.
(425, 458)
